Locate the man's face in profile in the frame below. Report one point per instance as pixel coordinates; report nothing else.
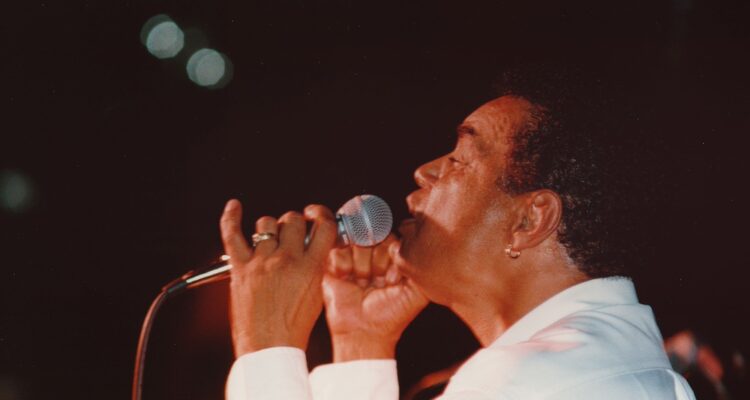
(459, 209)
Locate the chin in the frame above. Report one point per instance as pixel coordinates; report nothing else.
(417, 263)
(415, 259)
(405, 251)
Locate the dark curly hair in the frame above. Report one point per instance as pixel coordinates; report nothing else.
(572, 145)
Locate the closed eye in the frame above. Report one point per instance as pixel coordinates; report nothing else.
(465, 130)
(455, 160)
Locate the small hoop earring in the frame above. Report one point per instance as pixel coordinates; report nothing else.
(512, 253)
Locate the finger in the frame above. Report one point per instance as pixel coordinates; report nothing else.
(381, 257)
(267, 224)
(392, 275)
(323, 233)
(340, 262)
(362, 257)
(418, 300)
(292, 232)
(235, 245)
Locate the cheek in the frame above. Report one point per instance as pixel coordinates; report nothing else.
(449, 198)
(461, 202)
(426, 248)
(467, 217)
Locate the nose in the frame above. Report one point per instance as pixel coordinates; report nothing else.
(428, 173)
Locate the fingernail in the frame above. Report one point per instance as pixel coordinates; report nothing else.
(231, 205)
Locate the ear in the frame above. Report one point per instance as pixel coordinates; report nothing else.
(539, 217)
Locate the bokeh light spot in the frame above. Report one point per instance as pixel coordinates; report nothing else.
(162, 37)
(209, 68)
(16, 191)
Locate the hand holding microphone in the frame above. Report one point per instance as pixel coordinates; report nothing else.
(275, 289)
(368, 302)
(276, 285)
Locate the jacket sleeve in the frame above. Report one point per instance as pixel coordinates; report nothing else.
(356, 380)
(281, 373)
(273, 373)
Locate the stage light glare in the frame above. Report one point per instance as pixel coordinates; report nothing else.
(162, 37)
(16, 191)
(208, 68)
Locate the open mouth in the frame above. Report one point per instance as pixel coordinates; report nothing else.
(407, 225)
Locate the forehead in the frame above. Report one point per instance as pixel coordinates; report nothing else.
(496, 121)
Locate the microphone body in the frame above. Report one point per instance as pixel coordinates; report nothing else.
(365, 220)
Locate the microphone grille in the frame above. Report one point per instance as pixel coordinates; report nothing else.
(367, 220)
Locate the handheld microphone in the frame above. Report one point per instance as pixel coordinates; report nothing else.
(365, 221)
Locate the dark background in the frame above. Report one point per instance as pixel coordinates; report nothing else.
(131, 163)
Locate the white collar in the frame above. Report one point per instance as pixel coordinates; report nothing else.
(588, 295)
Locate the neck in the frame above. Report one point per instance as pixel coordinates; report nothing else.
(494, 305)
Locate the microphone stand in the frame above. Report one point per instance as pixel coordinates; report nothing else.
(192, 279)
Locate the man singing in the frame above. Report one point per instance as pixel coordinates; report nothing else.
(510, 231)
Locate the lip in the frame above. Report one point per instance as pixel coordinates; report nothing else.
(406, 225)
(408, 221)
(411, 203)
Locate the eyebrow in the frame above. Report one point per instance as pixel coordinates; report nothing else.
(464, 129)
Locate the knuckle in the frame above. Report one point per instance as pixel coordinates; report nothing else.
(335, 256)
(247, 272)
(341, 256)
(337, 266)
(313, 208)
(280, 259)
(291, 216)
(338, 271)
(228, 235)
(316, 209)
(255, 267)
(318, 212)
(266, 220)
